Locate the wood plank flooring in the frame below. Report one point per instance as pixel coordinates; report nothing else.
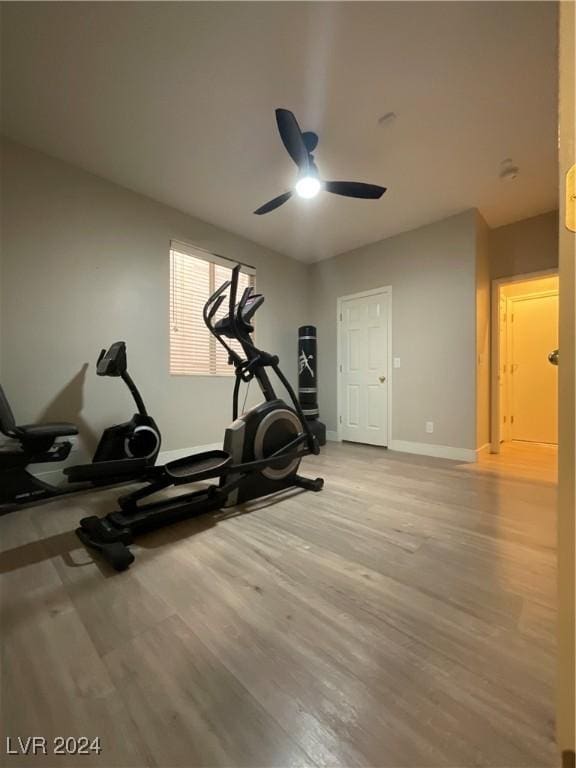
(404, 617)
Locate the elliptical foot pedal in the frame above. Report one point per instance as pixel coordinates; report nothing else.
(199, 466)
(100, 530)
(112, 543)
(115, 553)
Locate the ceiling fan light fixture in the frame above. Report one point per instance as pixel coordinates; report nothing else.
(308, 186)
(300, 147)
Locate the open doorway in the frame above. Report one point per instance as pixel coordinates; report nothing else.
(524, 380)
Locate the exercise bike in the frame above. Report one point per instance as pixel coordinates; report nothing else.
(124, 452)
(261, 453)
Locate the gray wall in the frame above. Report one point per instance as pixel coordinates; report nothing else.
(432, 274)
(530, 245)
(86, 262)
(483, 300)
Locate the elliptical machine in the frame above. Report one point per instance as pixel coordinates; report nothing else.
(123, 453)
(261, 453)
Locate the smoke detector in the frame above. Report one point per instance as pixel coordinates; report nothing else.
(508, 170)
(388, 119)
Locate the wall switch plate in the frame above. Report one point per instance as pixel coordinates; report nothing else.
(396, 362)
(429, 427)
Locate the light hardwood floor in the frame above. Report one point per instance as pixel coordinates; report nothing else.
(402, 617)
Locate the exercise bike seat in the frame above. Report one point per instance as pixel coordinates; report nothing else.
(200, 466)
(61, 429)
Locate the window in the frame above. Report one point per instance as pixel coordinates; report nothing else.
(194, 275)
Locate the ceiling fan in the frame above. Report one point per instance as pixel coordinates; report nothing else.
(300, 147)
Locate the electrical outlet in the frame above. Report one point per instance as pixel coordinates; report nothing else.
(396, 362)
(429, 427)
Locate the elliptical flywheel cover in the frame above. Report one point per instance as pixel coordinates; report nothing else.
(281, 417)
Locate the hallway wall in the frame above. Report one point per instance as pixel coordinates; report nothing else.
(529, 245)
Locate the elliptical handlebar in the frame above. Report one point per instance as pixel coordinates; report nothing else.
(237, 326)
(213, 304)
(234, 322)
(232, 300)
(244, 300)
(215, 307)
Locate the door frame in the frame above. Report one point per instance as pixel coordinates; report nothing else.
(497, 284)
(510, 301)
(387, 290)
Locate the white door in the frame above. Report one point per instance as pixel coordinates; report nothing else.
(534, 401)
(364, 369)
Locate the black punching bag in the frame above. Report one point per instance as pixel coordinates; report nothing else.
(307, 380)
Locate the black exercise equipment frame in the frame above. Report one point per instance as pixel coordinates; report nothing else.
(113, 534)
(44, 444)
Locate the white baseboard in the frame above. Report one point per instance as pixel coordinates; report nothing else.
(437, 451)
(425, 449)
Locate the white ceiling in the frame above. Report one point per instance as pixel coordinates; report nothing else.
(176, 101)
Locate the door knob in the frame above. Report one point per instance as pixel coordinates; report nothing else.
(382, 379)
(553, 357)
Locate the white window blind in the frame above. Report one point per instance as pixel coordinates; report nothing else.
(194, 275)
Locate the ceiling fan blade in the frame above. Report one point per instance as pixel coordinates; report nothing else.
(310, 140)
(355, 189)
(292, 138)
(272, 204)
